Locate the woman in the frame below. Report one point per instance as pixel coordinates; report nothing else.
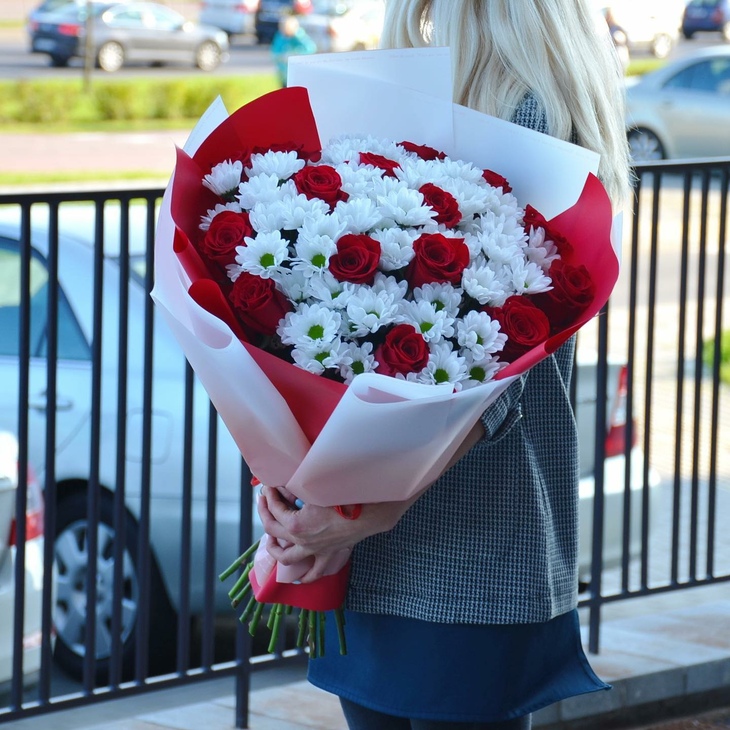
(462, 601)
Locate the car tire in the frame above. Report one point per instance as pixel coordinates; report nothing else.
(110, 57)
(662, 45)
(208, 56)
(69, 611)
(688, 34)
(59, 61)
(645, 146)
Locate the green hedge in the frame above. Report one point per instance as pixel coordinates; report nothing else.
(64, 102)
(709, 355)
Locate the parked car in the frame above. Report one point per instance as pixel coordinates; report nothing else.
(345, 25)
(126, 32)
(31, 631)
(683, 109)
(73, 467)
(706, 16)
(649, 25)
(235, 17)
(270, 13)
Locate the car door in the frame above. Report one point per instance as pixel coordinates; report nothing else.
(696, 108)
(72, 405)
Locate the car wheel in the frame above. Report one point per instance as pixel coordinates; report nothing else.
(70, 614)
(688, 34)
(59, 61)
(662, 45)
(110, 57)
(208, 56)
(645, 146)
(726, 31)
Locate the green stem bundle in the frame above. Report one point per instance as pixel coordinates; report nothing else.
(311, 628)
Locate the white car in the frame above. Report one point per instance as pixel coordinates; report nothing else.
(167, 451)
(681, 110)
(74, 461)
(345, 25)
(33, 583)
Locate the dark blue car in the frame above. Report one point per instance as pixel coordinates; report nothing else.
(707, 16)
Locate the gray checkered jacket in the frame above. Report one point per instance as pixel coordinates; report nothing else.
(495, 540)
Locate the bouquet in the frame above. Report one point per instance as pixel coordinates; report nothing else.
(352, 307)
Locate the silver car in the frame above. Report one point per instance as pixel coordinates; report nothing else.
(125, 32)
(682, 110)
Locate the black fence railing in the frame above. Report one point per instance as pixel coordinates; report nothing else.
(147, 499)
(669, 320)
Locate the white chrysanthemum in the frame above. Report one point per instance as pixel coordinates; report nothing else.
(327, 225)
(472, 198)
(442, 295)
(264, 189)
(331, 292)
(299, 209)
(348, 148)
(483, 284)
(294, 285)
(405, 207)
(444, 366)
(434, 324)
(219, 208)
(502, 239)
(416, 172)
(358, 215)
(281, 165)
(268, 217)
(356, 359)
(368, 311)
(529, 278)
(358, 181)
(480, 371)
(384, 187)
(309, 326)
(480, 334)
(461, 169)
(262, 255)
(318, 358)
(224, 178)
(389, 285)
(540, 249)
(396, 247)
(313, 254)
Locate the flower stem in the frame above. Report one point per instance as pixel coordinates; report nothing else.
(340, 621)
(255, 619)
(240, 560)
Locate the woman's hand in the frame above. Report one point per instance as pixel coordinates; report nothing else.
(319, 532)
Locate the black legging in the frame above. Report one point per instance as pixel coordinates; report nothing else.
(362, 718)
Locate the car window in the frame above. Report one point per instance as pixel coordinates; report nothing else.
(127, 18)
(71, 343)
(164, 18)
(712, 75)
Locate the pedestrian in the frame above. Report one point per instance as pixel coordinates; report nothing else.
(461, 605)
(289, 40)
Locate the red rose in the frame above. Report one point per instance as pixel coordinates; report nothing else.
(437, 259)
(403, 351)
(496, 180)
(356, 259)
(258, 303)
(383, 163)
(227, 230)
(443, 202)
(525, 325)
(423, 151)
(572, 293)
(534, 219)
(320, 181)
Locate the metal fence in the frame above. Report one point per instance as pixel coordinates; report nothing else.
(147, 499)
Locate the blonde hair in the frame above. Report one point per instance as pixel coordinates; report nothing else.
(503, 49)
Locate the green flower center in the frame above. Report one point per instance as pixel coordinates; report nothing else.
(320, 357)
(426, 326)
(316, 332)
(441, 376)
(267, 260)
(358, 367)
(477, 373)
(319, 260)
